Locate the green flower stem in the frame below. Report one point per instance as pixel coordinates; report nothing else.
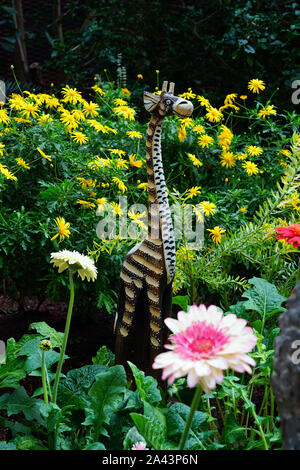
(44, 377)
(65, 339)
(194, 407)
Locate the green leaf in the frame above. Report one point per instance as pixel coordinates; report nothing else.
(263, 298)
(147, 386)
(78, 380)
(20, 401)
(7, 445)
(73, 388)
(12, 373)
(103, 398)
(232, 431)
(177, 416)
(104, 357)
(46, 331)
(28, 443)
(182, 301)
(95, 446)
(153, 431)
(132, 437)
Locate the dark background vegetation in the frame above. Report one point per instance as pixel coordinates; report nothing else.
(213, 46)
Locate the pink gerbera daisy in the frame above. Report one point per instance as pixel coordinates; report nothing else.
(291, 233)
(204, 344)
(139, 446)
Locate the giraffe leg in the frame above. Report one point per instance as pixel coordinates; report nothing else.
(166, 310)
(158, 330)
(126, 313)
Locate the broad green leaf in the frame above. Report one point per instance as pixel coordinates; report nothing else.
(132, 437)
(47, 331)
(152, 430)
(147, 386)
(74, 387)
(177, 416)
(20, 401)
(104, 397)
(12, 372)
(78, 380)
(263, 298)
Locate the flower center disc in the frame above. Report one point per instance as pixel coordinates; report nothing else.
(199, 341)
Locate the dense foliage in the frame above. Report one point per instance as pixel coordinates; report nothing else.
(66, 157)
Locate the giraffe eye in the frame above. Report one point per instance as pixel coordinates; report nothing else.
(168, 102)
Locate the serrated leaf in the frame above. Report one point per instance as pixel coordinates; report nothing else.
(104, 397)
(263, 297)
(104, 357)
(47, 331)
(12, 372)
(232, 431)
(19, 401)
(147, 386)
(78, 380)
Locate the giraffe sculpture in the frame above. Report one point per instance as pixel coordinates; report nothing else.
(145, 288)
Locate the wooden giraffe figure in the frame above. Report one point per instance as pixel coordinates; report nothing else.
(145, 289)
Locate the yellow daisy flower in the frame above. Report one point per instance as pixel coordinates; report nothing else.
(216, 234)
(90, 109)
(21, 162)
(133, 162)
(194, 159)
(71, 95)
(205, 141)
(253, 150)
(228, 159)
(192, 192)
(79, 137)
(63, 229)
(121, 185)
(209, 208)
(213, 115)
(134, 134)
(250, 167)
(255, 85)
(30, 110)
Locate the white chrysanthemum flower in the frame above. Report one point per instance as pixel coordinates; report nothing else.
(72, 259)
(204, 344)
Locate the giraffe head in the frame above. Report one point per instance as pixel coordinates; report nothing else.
(167, 103)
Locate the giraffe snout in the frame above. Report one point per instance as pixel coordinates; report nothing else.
(183, 108)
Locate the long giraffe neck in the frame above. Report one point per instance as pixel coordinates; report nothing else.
(159, 218)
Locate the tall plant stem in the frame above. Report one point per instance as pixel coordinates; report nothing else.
(194, 407)
(44, 377)
(65, 339)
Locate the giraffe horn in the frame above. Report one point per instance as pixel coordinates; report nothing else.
(164, 87)
(171, 88)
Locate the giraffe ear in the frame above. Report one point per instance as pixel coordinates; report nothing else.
(150, 101)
